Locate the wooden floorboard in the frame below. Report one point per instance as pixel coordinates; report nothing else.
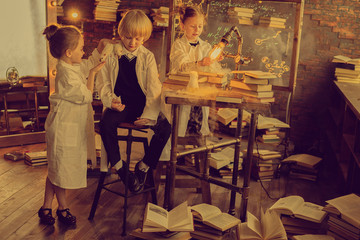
(22, 190)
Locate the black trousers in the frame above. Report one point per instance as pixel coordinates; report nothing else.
(108, 130)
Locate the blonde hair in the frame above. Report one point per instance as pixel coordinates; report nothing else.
(190, 11)
(61, 38)
(135, 23)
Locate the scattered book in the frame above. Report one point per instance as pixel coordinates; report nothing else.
(297, 207)
(269, 227)
(270, 122)
(349, 208)
(304, 160)
(251, 87)
(160, 236)
(212, 216)
(312, 237)
(15, 155)
(157, 219)
(226, 115)
(36, 158)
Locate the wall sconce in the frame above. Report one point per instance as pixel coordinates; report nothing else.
(53, 3)
(74, 14)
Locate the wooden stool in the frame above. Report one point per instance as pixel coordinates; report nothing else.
(149, 186)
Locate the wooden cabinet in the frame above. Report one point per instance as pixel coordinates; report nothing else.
(343, 132)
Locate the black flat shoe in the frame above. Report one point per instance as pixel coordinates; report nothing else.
(133, 182)
(141, 177)
(69, 219)
(46, 219)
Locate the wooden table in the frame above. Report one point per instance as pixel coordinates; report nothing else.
(176, 99)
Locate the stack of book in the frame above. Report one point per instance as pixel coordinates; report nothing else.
(226, 121)
(36, 158)
(211, 223)
(264, 164)
(222, 162)
(254, 86)
(275, 22)
(344, 217)
(160, 16)
(302, 166)
(240, 15)
(106, 10)
(204, 79)
(347, 69)
(300, 217)
(270, 135)
(31, 81)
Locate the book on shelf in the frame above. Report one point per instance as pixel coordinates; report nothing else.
(348, 207)
(160, 236)
(269, 227)
(157, 219)
(304, 160)
(212, 216)
(296, 206)
(312, 237)
(249, 86)
(344, 59)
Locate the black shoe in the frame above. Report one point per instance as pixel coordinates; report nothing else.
(141, 176)
(46, 219)
(69, 219)
(133, 182)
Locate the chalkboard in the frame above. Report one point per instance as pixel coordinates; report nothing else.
(270, 48)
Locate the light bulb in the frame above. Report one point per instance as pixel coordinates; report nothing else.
(217, 50)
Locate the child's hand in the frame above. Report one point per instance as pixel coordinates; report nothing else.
(97, 68)
(103, 43)
(142, 121)
(206, 61)
(117, 105)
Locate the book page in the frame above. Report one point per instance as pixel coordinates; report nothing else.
(310, 211)
(305, 160)
(349, 207)
(287, 205)
(206, 211)
(180, 218)
(269, 122)
(222, 222)
(250, 229)
(157, 215)
(272, 227)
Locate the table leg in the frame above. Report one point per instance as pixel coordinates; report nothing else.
(236, 163)
(247, 168)
(171, 167)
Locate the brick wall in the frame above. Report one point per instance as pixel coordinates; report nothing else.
(330, 28)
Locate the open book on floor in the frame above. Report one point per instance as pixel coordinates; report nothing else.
(348, 207)
(213, 217)
(297, 207)
(157, 219)
(269, 227)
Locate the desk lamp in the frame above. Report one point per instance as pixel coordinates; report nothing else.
(218, 49)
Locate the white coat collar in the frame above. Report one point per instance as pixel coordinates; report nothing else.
(70, 66)
(121, 50)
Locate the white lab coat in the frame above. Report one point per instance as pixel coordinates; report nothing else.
(69, 125)
(148, 78)
(182, 52)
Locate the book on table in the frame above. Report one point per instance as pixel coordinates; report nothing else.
(212, 216)
(349, 208)
(269, 227)
(250, 93)
(256, 74)
(252, 87)
(296, 206)
(157, 219)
